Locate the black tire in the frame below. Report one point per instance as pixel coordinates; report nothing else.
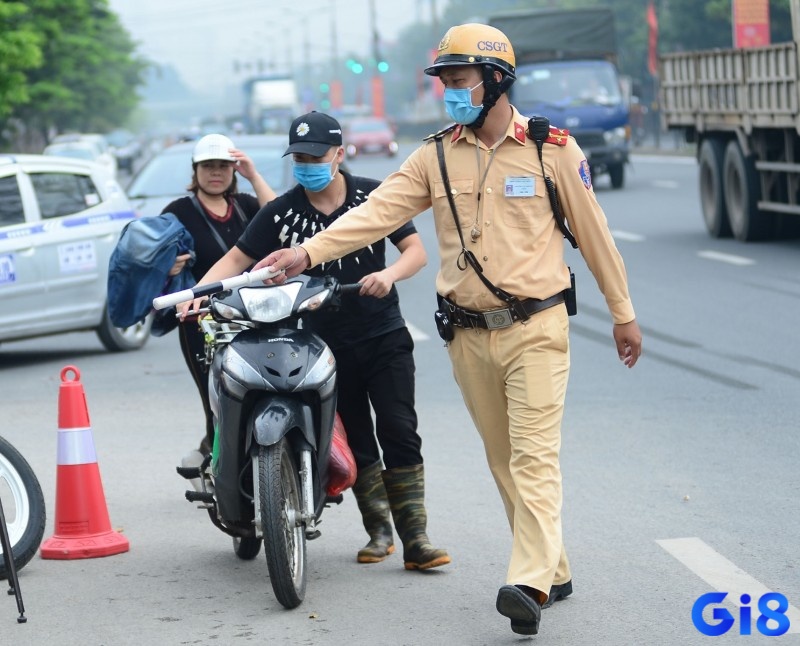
(246, 547)
(617, 174)
(284, 534)
(23, 507)
(712, 195)
(117, 339)
(748, 222)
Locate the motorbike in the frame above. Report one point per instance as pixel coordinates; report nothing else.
(272, 388)
(22, 517)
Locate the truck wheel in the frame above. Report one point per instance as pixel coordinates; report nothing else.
(747, 222)
(712, 197)
(117, 339)
(617, 174)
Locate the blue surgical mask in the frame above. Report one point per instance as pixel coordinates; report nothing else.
(313, 176)
(459, 105)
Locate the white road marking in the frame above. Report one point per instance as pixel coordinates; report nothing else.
(666, 183)
(664, 159)
(726, 257)
(627, 235)
(722, 575)
(416, 333)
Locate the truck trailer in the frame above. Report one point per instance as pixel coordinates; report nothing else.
(741, 107)
(567, 72)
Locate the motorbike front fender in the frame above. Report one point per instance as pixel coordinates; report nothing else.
(273, 417)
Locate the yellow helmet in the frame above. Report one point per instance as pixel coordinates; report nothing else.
(474, 44)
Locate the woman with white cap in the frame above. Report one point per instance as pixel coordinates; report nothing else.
(215, 214)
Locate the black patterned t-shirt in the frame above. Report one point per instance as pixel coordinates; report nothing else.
(290, 219)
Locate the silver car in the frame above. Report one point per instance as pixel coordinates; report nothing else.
(60, 219)
(165, 177)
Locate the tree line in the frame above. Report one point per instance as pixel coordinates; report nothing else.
(65, 65)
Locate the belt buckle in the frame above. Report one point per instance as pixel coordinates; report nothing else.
(497, 319)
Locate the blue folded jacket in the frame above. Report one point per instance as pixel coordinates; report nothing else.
(138, 269)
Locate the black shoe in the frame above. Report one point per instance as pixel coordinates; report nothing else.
(557, 593)
(523, 611)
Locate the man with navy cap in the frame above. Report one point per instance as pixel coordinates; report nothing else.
(368, 336)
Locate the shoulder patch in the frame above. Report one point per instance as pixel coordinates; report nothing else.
(585, 173)
(558, 136)
(519, 132)
(444, 131)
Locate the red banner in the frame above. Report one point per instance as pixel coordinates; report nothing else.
(378, 109)
(751, 23)
(652, 39)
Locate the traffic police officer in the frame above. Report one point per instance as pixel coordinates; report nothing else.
(510, 358)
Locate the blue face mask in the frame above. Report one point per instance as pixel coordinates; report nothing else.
(313, 176)
(458, 104)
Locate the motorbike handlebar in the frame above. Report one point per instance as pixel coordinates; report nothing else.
(247, 278)
(349, 288)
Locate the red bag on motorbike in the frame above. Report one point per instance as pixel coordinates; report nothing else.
(342, 466)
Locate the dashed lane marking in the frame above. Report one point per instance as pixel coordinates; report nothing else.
(729, 258)
(416, 333)
(627, 236)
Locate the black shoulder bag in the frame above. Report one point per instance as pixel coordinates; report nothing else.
(239, 214)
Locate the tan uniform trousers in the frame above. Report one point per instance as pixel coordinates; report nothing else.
(514, 381)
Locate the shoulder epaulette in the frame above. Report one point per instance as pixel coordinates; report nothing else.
(558, 136)
(443, 132)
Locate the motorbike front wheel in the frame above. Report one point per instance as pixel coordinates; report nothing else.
(23, 506)
(284, 534)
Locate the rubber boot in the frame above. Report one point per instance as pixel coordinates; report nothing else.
(374, 506)
(405, 487)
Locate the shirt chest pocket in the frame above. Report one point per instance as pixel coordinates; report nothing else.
(464, 197)
(526, 212)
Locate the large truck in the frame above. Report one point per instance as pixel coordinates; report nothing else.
(270, 103)
(741, 107)
(567, 72)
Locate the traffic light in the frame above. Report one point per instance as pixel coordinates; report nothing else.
(383, 67)
(354, 66)
(324, 90)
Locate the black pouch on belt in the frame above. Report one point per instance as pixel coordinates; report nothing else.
(570, 299)
(444, 325)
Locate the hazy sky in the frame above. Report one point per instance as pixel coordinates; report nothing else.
(202, 38)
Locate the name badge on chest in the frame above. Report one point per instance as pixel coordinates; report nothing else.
(520, 187)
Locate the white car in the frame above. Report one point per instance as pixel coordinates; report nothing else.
(60, 219)
(85, 149)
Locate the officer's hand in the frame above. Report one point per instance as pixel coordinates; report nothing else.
(628, 338)
(293, 261)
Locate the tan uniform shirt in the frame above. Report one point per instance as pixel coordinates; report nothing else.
(502, 193)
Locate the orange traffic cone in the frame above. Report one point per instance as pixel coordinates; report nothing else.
(82, 527)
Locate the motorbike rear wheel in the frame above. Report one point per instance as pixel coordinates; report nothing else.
(246, 547)
(284, 534)
(23, 506)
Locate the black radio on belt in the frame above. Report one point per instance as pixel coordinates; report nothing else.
(444, 326)
(570, 299)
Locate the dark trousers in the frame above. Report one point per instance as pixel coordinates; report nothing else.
(193, 349)
(379, 373)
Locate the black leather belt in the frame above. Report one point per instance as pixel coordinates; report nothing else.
(495, 319)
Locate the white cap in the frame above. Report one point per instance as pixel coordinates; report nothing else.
(213, 147)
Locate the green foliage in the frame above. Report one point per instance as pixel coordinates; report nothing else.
(19, 52)
(89, 72)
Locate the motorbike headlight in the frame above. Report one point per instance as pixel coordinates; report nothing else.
(269, 304)
(616, 136)
(315, 301)
(226, 311)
